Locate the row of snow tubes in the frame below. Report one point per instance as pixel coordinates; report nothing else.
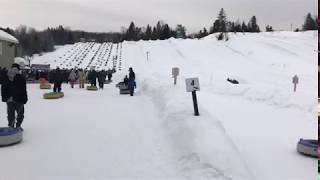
(10, 136)
(308, 147)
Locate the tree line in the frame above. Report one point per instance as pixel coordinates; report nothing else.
(32, 41)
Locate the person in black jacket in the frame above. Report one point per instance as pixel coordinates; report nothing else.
(57, 79)
(131, 83)
(101, 78)
(14, 93)
(92, 77)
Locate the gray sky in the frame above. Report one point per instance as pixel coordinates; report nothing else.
(111, 15)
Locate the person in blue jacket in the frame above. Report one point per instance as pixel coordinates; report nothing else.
(132, 83)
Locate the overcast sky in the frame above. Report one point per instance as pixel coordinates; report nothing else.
(111, 15)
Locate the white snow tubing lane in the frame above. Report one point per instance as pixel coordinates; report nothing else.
(308, 147)
(9, 136)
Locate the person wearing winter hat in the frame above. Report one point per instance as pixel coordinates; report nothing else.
(14, 93)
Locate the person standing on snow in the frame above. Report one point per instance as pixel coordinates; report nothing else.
(92, 77)
(14, 93)
(295, 81)
(57, 79)
(82, 78)
(101, 78)
(132, 83)
(72, 78)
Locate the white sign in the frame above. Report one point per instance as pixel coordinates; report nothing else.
(192, 84)
(175, 72)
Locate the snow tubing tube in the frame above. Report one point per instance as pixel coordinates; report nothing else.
(308, 147)
(108, 82)
(53, 95)
(46, 86)
(124, 91)
(9, 136)
(92, 88)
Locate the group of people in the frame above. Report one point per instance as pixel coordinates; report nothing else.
(57, 77)
(14, 87)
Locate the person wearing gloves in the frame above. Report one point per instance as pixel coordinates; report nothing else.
(14, 93)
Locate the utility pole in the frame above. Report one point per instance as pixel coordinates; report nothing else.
(148, 55)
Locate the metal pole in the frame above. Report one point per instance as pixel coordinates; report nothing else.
(195, 103)
(147, 55)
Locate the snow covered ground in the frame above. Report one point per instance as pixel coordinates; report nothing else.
(245, 131)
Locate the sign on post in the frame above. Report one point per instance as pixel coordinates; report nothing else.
(175, 74)
(193, 85)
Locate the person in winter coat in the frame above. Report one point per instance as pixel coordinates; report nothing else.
(109, 74)
(101, 78)
(82, 78)
(126, 80)
(92, 77)
(57, 79)
(131, 83)
(72, 78)
(132, 75)
(14, 93)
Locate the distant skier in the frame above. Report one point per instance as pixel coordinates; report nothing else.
(57, 79)
(72, 78)
(295, 81)
(132, 83)
(14, 93)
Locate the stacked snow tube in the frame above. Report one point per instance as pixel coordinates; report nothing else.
(308, 147)
(9, 136)
(45, 86)
(53, 95)
(92, 88)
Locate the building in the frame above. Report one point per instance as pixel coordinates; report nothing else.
(7, 49)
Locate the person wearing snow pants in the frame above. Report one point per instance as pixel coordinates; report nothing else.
(131, 86)
(12, 108)
(14, 94)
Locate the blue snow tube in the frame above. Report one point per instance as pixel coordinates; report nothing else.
(308, 147)
(9, 136)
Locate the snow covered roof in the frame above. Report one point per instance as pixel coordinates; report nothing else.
(7, 37)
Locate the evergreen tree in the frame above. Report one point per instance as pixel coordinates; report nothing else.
(131, 32)
(148, 33)
(309, 23)
(252, 25)
(222, 18)
(181, 31)
(244, 27)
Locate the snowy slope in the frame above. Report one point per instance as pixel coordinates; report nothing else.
(245, 131)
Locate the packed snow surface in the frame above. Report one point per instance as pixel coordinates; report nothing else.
(244, 131)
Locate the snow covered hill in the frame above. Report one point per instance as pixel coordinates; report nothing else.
(245, 131)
